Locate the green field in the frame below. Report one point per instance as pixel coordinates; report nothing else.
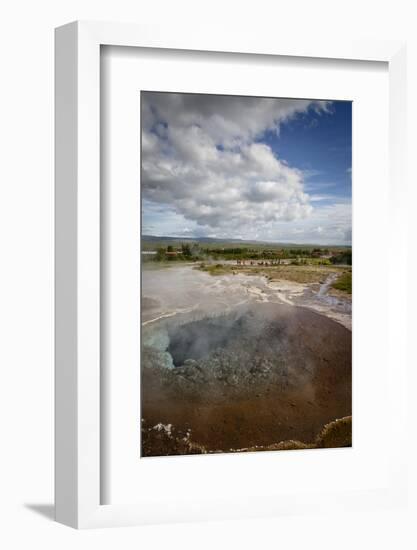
(344, 282)
(162, 249)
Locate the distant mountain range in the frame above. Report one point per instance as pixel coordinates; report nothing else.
(156, 239)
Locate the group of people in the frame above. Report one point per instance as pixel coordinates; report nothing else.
(263, 263)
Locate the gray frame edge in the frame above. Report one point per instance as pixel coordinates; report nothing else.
(66, 181)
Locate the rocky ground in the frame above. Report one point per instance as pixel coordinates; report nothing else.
(167, 440)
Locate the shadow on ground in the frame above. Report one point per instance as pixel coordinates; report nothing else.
(45, 510)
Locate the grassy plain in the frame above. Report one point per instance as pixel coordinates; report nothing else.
(344, 282)
(303, 274)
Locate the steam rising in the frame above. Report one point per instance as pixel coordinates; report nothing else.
(234, 362)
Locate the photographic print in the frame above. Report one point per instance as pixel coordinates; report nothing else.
(246, 274)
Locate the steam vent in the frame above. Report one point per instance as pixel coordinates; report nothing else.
(262, 376)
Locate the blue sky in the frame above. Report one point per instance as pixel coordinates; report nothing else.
(321, 145)
(250, 168)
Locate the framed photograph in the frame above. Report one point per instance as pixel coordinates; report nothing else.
(225, 345)
(246, 213)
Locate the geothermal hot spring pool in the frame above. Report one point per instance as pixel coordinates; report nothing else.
(256, 376)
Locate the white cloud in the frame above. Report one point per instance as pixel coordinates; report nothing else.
(201, 163)
(328, 224)
(227, 120)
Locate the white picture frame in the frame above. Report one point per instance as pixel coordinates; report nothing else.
(77, 242)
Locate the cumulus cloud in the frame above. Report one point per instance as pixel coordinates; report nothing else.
(225, 119)
(203, 160)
